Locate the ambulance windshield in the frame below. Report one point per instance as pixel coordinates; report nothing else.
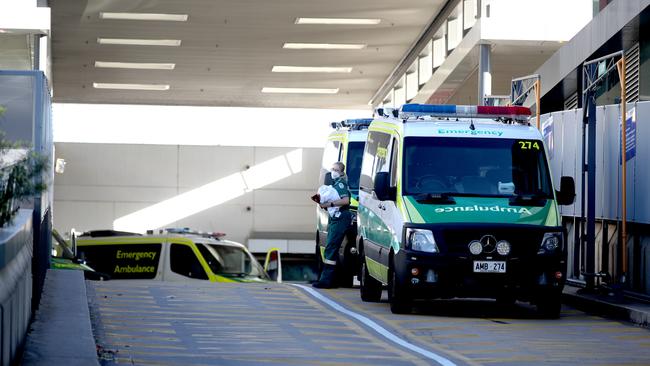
(230, 260)
(353, 165)
(476, 167)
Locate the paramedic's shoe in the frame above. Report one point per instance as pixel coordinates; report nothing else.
(320, 284)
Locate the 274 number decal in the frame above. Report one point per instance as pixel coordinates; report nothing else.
(528, 145)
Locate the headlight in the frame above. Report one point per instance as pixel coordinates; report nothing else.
(551, 242)
(475, 247)
(421, 240)
(503, 247)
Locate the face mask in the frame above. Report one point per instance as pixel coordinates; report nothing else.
(335, 174)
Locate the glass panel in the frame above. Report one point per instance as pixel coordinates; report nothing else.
(353, 165)
(185, 263)
(475, 167)
(439, 51)
(227, 260)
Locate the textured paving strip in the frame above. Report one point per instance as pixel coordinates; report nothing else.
(485, 333)
(157, 323)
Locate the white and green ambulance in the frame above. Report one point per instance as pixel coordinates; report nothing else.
(345, 143)
(458, 201)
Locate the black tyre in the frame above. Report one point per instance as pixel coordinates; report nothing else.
(400, 303)
(370, 289)
(348, 265)
(550, 305)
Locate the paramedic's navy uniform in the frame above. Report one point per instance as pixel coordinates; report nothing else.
(336, 228)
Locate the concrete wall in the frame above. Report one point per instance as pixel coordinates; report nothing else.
(237, 190)
(15, 285)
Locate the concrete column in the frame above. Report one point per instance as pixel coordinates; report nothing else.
(484, 73)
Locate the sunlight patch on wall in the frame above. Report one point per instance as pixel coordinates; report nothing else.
(212, 194)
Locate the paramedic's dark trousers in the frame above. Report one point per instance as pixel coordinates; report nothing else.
(336, 229)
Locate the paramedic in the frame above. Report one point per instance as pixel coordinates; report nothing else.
(338, 224)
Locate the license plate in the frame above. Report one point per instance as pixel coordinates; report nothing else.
(490, 266)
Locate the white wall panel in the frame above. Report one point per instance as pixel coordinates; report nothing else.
(287, 218)
(112, 193)
(611, 169)
(279, 197)
(234, 220)
(82, 215)
(642, 164)
(608, 168)
(118, 165)
(105, 182)
(200, 165)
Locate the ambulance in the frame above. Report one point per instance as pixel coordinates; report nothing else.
(458, 201)
(345, 144)
(178, 255)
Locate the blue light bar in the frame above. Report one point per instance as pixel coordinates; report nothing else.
(357, 121)
(429, 109)
(468, 111)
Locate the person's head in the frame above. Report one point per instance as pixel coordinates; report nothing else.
(338, 170)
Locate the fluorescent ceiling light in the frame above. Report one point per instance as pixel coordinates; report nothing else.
(144, 16)
(135, 65)
(140, 42)
(324, 46)
(131, 86)
(299, 90)
(341, 21)
(311, 69)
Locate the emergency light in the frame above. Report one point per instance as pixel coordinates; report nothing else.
(467, 111)
(353, 124)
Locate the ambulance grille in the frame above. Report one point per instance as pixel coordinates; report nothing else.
(524, 241)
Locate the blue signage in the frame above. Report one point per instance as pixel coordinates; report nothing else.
(630, 136)
(547, 131)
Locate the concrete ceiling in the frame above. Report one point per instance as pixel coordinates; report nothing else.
(229, 48)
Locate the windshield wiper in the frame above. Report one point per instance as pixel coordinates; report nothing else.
(439, 198)
(529, 199)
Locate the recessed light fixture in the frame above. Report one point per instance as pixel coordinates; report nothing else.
(311, 69)
(135, 65)
(131, 86)
(144, 16)
(300, 90)
(338, 21)
(324, 46)
(140, 42)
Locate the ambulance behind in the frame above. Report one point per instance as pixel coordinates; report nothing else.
(345, 144)
(458, 201)
(178, 255)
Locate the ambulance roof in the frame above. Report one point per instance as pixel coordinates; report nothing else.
(462, 128)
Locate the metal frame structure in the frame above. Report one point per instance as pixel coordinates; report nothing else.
(521, 87)
(593, 73)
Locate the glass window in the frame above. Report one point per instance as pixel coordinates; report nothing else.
(375, 158)
(184, 262)
(331, 154)
(475, 167)
(230, 261)
(393, 164)
(353, 164)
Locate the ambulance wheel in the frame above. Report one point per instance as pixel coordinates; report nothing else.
(549, 305)
(400, 303)
(347, 270)
(370, 289)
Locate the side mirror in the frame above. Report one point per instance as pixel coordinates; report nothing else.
(273, 265)
(567, 193)
(382, 188)
(328, 179)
